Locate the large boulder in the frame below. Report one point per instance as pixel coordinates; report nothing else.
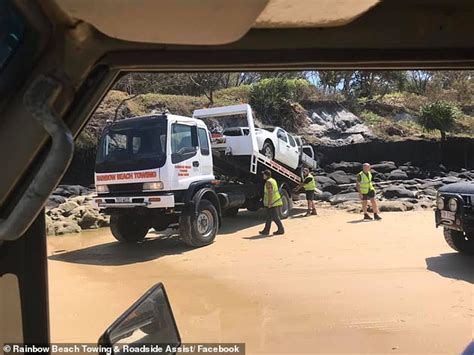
(385, 167)
(429, 191)
(431, 184)
(67, 207)
(450, 180)
(393, 191)
(71, 190)
(324, 196)
(341, 198)
(323, 181)
(54, 201)
(347, 167)
(342, 177)
(397, 175)
(65, 226)
(394, 206)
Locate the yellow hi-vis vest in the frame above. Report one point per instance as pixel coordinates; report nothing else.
(366, 183)
(276, 201)
(310, 186)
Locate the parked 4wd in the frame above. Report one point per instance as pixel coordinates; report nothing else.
(455, 213)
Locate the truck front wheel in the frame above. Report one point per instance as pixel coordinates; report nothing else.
(459, 241)
(200, 230)
(285, 210)
(128, 229)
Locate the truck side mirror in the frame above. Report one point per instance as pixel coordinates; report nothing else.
(148, 322)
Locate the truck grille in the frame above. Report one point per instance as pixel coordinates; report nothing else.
(132, 187)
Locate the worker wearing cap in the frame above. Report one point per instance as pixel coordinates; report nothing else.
(309, 185)
(272, 201)
(366, 190)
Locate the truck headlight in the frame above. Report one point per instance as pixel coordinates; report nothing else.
(102, 189)
(153, 186)
(440, 203)
(453, 204)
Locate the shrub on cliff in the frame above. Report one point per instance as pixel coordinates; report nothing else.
(439, 116)
(275, 101)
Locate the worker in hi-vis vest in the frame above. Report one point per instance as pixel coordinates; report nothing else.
(366, 190)
(272, 201)
(309, 185)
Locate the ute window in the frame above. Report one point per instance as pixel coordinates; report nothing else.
(183, 142)
(281, 134)
(292, 141)
(203, 141)
(11, 33)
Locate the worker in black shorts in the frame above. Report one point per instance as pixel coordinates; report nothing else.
(309, 184)
(366, 190)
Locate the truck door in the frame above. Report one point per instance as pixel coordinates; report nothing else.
(205, 150)
(186, 156)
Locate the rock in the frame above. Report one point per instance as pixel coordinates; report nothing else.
(431, 184)
(392, 206)
(397, 175)
(430, 191)
(412, 171)
(54, 201)
(450, 180)
(324, 196)
(89, 220)
(65, 227)
(81, 200)
(384, 167)
(393, 191)
(67, 207)
(333, 189)
(340, 198)
(55, 214)
(347, 167)
(71, 190)
(341, 177)
(323, 181)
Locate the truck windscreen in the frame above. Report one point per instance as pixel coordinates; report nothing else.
(133, 145)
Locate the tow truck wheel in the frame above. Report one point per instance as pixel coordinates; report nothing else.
(128, 229)
(200, 230)
(459, 241)
(285, 209)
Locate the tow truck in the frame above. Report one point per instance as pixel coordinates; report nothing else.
(159, 171)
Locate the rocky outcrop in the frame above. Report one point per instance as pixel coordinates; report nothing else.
(69, 210)
(399, 188)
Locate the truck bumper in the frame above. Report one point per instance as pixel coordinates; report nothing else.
(149, 201)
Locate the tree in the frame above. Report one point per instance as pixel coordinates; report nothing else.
(439, 116)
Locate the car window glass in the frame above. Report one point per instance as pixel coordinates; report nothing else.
(281, 134)
(203, 141)
(292, 141)
(181, 143)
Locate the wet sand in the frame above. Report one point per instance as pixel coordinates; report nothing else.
(332, 283)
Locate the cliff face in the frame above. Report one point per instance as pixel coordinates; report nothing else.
(370, 131)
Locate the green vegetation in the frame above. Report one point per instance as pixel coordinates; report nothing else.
(439, 116)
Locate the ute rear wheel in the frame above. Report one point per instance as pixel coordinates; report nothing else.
(268, 150)
(200, 230)
(459, 241)
(128, 229)
(285, 210)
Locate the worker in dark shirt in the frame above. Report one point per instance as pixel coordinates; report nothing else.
(366, 190)
(309, 185)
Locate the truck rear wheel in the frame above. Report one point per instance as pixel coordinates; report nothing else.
(285, 210)
(128, 229)
(200, 230)
(459, 241)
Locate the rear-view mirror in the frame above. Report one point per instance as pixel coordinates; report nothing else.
(148, 322)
